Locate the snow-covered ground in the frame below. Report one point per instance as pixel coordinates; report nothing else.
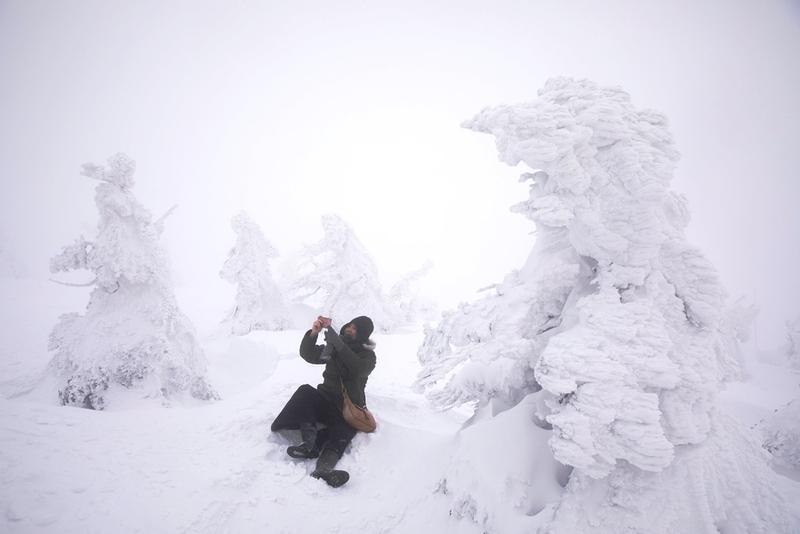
(208, 467)
(215, 467)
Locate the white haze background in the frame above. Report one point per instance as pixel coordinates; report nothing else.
(292, 110)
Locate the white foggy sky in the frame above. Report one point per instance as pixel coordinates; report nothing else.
(293, 109)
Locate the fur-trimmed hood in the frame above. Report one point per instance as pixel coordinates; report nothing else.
(357, 346)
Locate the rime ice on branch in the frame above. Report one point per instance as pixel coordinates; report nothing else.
(259, 302)
(133, 335)
(615, 323)
(340, 273)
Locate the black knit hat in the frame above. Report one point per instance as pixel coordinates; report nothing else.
(364, 327)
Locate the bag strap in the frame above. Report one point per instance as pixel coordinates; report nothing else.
(344, 388)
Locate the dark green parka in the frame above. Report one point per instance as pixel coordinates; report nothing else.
(350, 363)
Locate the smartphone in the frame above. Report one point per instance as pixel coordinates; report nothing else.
(325, 321)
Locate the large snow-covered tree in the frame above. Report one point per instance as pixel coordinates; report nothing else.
(613, 333)
(132, 335)
(259, 302)
(340, 274)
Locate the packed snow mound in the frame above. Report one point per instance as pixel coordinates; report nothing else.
(500, 474)
(260, 305)
(132, 335)
(717, 486)
(620, 322)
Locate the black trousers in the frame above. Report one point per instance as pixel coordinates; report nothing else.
(309, 406)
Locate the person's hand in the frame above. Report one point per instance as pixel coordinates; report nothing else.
(333, 338)
(316, 327)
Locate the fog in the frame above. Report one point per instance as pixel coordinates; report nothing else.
(293, 110)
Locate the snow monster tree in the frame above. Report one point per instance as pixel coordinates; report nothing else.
(595, 367)
(341, 275)
(133, 335)
(406, 297)
(259, 302)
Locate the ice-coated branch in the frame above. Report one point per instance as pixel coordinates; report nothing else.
(119, 171)
(71, 284)
(72, 257)
(310, 293)
(159, 224)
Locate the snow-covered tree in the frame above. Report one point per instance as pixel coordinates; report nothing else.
(793, 342)
(612, 332)
(781, 436)
(259, 302)
(411, 306)
(340, 273)
(132, 335)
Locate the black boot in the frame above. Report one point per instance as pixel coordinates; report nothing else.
(307, 449)
(325, 469)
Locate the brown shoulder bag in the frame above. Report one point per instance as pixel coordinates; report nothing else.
(359, 418)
